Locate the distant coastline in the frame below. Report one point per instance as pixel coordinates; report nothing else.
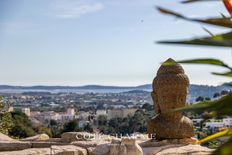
(194, 90)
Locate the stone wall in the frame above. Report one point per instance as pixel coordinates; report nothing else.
(70, 145)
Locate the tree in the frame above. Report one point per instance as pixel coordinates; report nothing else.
(199, 99)
(207, 99)
(53, 122)
(102, 120)
(71, 126)
(6, 123)
(22, 126)
(216, 95)
(105, 129)
(224, 92)
(88, 128)
(56, 128)
(147, 107)
(21, 131)
(5, 117)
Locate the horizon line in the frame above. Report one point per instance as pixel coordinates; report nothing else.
(84, 85)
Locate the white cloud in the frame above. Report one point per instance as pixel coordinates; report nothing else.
(74, 8)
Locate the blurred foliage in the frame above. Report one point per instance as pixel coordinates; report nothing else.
(71, 126)
(88, 128)
(220, 40)
(56, 128)
(102, 120)
(224, 149)
(222, 106)
(224, 22)
(22, 126)
(1, 104)
(6, 122)
(208, 61)
(227, 132)
(5, 104)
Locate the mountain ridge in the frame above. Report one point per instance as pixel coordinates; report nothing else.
(72, 87)
(47, 87)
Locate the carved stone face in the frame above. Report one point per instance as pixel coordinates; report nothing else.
(170, 87)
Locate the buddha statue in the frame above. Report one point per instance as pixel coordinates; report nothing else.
(170, 88)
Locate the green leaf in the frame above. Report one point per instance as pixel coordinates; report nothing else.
(222, 40)
(197, 108)
(224, 149)
(224, 22)
(217, 135)
(228, 74)
(221, 107)
(205, 61)
(208, 61)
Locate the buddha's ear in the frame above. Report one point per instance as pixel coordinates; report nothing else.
(155, 102)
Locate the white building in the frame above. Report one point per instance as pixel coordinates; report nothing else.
(83, 115)
(71, 111)
(10, 109)
(27, 111)
(48, 115)
(227, 122)
(101, 112)
(197, 120)
(219, 123)
(215, 125)
(67, 117)
(55, 116)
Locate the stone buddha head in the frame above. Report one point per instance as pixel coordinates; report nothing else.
(170, 87)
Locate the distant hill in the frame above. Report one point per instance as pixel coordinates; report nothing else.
(90, 88)
(103, 87)
(144, 87)
(194, 90)
(136, 91)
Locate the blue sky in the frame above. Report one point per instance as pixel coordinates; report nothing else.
(107, 42)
